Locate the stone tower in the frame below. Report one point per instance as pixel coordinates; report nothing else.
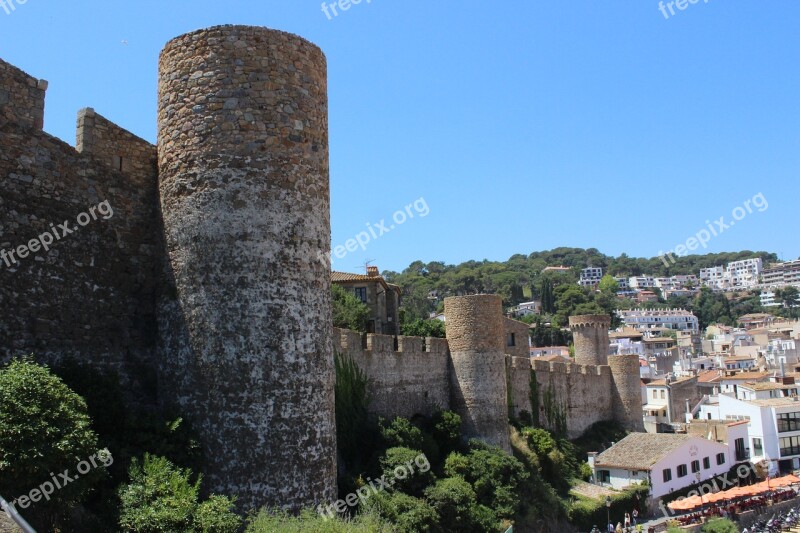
(476, 335)
(245, 344)
(626, 399)
(590, 334)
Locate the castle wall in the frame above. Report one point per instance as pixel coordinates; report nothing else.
(246, 348)
(582, 392)
(518, 370)
(21, 98)
(411, 379)
(90, 292)
(590, 335)
(475, 333)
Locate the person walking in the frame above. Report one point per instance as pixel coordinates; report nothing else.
(635, 516)
(627, 520)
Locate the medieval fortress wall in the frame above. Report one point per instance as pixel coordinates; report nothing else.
(202, 288)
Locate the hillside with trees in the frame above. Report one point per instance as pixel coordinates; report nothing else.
(522, 278)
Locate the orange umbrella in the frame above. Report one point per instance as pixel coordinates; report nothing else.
(686, 503)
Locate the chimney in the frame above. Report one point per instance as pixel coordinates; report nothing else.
(372, 271)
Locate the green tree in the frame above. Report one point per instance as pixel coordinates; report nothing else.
(456, 504)
(423, 328)
(407, 470)
(608, 284)
(349, 312)
(162, 497)
(790, 297)
(44, 428)
(352, 400)
(406, 513)
(712, 307)
(720, 525)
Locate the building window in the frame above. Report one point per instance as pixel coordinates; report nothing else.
(663, 395)
(758, 447)
(741, 453)
(695, 466)
(790, 446)
(682, 471)
(667, 472)
(655, 394)
(706, 463)
(361, 293)
(512, 340)
(788, 422)
(720, 458)
(604, 476)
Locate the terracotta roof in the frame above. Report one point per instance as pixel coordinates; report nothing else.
(640, 451)
(659, 339)
(768, 385)
(709, 376)
(344, 277)
(748, 375)
(626, 333)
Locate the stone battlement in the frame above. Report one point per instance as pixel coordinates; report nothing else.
(557, 367)
(583, 321)
(21, 97)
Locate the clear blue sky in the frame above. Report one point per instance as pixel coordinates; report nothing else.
(524, 125)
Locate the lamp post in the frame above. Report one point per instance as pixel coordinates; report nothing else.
(608, 513)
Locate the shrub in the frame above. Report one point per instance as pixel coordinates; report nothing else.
(456, 504)
(720, 525)
(162, 497)
(407, 513)
(349, 312)
(414, 477)
(447, 431)
(44, 428)
(400, 432)
(584, 512)
(494, 475)
(311, 522)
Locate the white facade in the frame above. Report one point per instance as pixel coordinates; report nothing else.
(591, 276)
(768, 299)
(738, 275)
(527, 308)
(642, 282)
(648, 319)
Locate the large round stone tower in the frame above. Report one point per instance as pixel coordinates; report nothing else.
(626, 399)
(245, 348)
(590, 335)
(476, 336)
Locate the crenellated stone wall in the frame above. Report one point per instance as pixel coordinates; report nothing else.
(406, 379)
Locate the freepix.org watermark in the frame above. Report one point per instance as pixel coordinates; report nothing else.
(58, 482)
(376, 231)
(720, 226)
(681, 5)
(9, 6)
(336, 7)
(716, 484)
(11, 257)
(374, 486)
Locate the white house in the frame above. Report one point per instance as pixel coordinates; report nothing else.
(667, 461)
(591, 276)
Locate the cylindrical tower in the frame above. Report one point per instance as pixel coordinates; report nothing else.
(476, 337)
(590, 335)
(245, 318)
(626, 397)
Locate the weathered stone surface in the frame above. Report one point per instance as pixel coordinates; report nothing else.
(590, 334)
(626, 391)
(246, 327)
(475, 333)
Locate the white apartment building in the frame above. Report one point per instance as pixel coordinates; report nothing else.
(738, 275)
(768, 299)
(781, 275)
(648, 319)
(642, 282)
(527, 308)
(623, 284)
(591, 276)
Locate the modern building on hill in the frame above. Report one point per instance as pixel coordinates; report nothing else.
(781, 274)
(533, 307)
(382, 298)
(649, 319)
(667, 462)
(738, 275)
(591, 276)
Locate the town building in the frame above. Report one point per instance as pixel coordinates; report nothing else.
(590, 277)
(533, 307)
(659, 319)
(382, 298)
(666, 462)
(668, 401)
(550, 351)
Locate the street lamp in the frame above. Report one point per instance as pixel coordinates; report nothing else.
(608, 512)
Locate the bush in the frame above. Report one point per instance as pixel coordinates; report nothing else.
(407, 513)
(494, 475)
(720, 525)
(456, 504)
(415, 477)
(349, 312)
(584, 513)
(447, 431)
(44, 428)
(401, 433)
(162, 497)
(311, 522)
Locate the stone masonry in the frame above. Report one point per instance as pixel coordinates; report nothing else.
(590, 333)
